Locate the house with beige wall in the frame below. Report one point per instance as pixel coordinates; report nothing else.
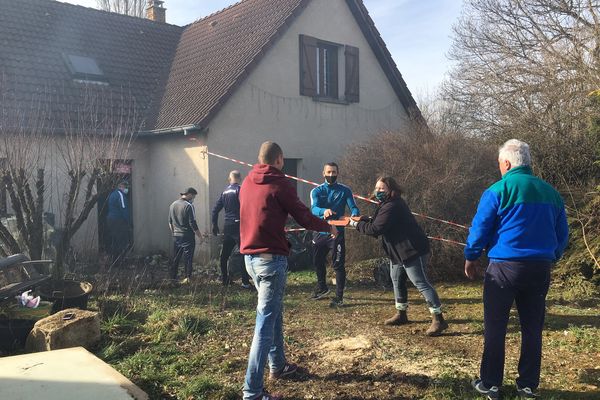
(313, 75)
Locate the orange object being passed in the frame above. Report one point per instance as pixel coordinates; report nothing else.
(344, 221)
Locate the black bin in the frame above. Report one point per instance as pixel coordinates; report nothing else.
(66, 294)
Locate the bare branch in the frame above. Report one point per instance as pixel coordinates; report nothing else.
(134, 8)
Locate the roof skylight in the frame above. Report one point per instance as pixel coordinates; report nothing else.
(82, 67)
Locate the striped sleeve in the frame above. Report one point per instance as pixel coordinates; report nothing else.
(191, 211)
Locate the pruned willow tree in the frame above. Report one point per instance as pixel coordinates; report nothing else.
(50, 165)
(525, 68)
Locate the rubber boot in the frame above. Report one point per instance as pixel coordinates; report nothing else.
(437, 325)
(399, 319)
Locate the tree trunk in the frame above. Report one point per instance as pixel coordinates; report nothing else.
(36, 234)
(73, 224)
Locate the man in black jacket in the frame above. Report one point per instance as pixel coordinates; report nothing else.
(230, 201)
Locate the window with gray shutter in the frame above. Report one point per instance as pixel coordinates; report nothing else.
(320, 70)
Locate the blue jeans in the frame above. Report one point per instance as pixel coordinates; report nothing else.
(269, 272)
(415, 271)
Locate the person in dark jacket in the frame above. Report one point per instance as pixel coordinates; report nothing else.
(118, 221)
(407, 246)
(230, 201)
(183, 226)
(266, 199)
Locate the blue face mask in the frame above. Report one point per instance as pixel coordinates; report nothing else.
(381, 196)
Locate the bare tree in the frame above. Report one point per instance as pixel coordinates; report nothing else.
(92, 143)
(57, 166)
(524, 68)
(23, 156)
(134, 8)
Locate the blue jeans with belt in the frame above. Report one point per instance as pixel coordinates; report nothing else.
(269, 272)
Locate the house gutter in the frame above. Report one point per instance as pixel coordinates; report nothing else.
(185, 129)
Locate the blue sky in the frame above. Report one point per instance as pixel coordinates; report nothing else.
(417, 32)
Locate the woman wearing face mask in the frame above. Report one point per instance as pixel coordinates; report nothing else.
(407, 246)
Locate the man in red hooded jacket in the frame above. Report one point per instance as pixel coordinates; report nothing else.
(266, 199)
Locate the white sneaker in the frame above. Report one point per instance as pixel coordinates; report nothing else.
(526, 393)
(492, 393)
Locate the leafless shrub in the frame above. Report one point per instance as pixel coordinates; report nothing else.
(443, 175)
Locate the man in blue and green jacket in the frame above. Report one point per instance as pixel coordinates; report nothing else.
(329, 201)
(521, 222)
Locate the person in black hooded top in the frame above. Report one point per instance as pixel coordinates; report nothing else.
(407, 246)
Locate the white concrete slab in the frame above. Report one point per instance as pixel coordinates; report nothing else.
(63, 374)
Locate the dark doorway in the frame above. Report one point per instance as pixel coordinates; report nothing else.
(115, 171)
(290, 167)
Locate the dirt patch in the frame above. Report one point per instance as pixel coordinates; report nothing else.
(347, 349)
(391, 356)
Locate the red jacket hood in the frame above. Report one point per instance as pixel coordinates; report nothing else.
(267, 197)
(262, 174)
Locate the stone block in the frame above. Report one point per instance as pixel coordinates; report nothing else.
(67, 328)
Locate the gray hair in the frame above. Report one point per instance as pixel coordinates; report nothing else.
(515, 151)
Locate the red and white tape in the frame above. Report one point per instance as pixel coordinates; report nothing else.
(355, 195)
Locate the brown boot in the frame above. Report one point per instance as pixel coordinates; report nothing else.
(437, 325)
(399, 319)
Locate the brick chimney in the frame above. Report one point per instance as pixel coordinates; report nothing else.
(155, 11)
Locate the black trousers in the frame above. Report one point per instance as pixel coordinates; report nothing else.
(183, 246)
(231, 238)
(525, 284)
(322, 245)
(119, 234)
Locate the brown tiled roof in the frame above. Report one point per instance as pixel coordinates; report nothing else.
(170, 76)
(216, 53)
(133, 53)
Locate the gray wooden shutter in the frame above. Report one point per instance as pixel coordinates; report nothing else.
(333, 81)
(308, 66)
(352, 75)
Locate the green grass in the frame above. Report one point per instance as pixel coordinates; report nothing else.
(118, 323)
(193, 343)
